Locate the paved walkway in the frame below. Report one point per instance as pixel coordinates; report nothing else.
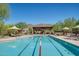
(13, 38)
(75, 42)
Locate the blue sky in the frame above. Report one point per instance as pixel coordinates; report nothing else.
(41, 13)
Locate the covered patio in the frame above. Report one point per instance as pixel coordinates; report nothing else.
(41, 28)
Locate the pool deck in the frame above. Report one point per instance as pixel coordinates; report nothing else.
(13, 38)
(75, 42)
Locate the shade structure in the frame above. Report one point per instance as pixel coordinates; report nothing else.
(14, 28)
(13, 31)
(75, 30)
(76, 26)
(65, 28)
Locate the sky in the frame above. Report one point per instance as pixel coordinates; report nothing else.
(41, 13)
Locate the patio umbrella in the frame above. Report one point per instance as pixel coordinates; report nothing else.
(65, 29)
(76, 26)
(14, 28)
(76, 29)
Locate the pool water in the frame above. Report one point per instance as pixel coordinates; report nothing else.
(37, 46)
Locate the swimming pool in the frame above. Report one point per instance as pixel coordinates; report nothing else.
(38, 46)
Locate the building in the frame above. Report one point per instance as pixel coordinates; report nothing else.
(41, 28)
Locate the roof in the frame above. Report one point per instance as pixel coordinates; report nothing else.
(41, 25)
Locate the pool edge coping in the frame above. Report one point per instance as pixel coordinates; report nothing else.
(65, 40)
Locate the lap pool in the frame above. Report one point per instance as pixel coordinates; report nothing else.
(38, 46)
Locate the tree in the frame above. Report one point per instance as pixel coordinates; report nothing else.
(69, 22)
(77, 23)
(1, 26)
(21, 25)
(58, 26)
(4, 11)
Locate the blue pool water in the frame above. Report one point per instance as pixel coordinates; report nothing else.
(38, 46)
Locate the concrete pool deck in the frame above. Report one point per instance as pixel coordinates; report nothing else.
(14, 38)
(75, 42)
